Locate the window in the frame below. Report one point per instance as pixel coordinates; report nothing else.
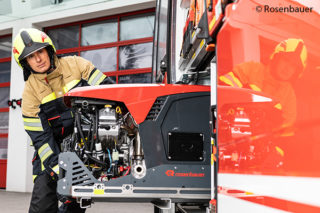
(136, 78)
(139, 26)
(5, 67)
(120, 45)
(64, 38)
(99, 33)
(135, 56)
(5, 47)
(104, 59)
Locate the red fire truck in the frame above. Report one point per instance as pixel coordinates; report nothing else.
(267, 118)
(258, 62)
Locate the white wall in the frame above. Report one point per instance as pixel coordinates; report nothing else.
(19, 168)
(181, 17)
(19, 152)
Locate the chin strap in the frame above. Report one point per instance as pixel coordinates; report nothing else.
(52, 56)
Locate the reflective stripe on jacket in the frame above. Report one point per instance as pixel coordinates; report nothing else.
(46, 118)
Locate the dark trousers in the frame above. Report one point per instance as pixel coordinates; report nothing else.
(45, 200)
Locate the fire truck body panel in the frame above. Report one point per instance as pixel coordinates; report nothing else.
(266, 117)
(138, 98)
(264, 158)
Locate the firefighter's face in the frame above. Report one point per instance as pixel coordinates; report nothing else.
(39, 61)
(285, 70)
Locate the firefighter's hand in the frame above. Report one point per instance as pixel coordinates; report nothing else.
(65, 199)
(68, 204)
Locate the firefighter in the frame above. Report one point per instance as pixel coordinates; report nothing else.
(46, 119)
(286, 64)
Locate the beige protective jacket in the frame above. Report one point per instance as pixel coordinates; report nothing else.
(46, 118)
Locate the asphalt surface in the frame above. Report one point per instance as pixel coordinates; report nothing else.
(18, 202)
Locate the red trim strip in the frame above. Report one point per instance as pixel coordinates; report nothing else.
(5, 135)
(136, 41)
(5, 84)
(107, 45)
(99, 46)
(268, 201)
(80, 35)
(4, 36)
(62, 130)
(5, 59)
(134, 71)
(4, 109)
(49, 119)
(138, 12)
(118, 49)
(128, 72)
(69, 50)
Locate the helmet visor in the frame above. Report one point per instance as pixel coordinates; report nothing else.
(31, 49)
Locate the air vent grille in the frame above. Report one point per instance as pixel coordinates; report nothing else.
(156, 108)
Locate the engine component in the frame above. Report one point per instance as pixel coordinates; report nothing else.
(108, 123)
(106, 139)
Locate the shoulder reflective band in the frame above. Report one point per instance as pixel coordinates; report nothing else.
(44, 152)
(278, 106)
(255, 87)
(32, 124)
(70, 85)
(49, 98)
(56, 169)
(231, 80)
(96, 78)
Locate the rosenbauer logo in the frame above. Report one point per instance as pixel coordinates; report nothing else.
(284, 9)
(171, 173)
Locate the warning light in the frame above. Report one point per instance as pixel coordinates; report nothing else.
(13, 103)
(19, 101)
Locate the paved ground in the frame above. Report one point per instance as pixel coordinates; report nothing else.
(17, 202)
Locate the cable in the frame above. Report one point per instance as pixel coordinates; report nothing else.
(110, 160)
